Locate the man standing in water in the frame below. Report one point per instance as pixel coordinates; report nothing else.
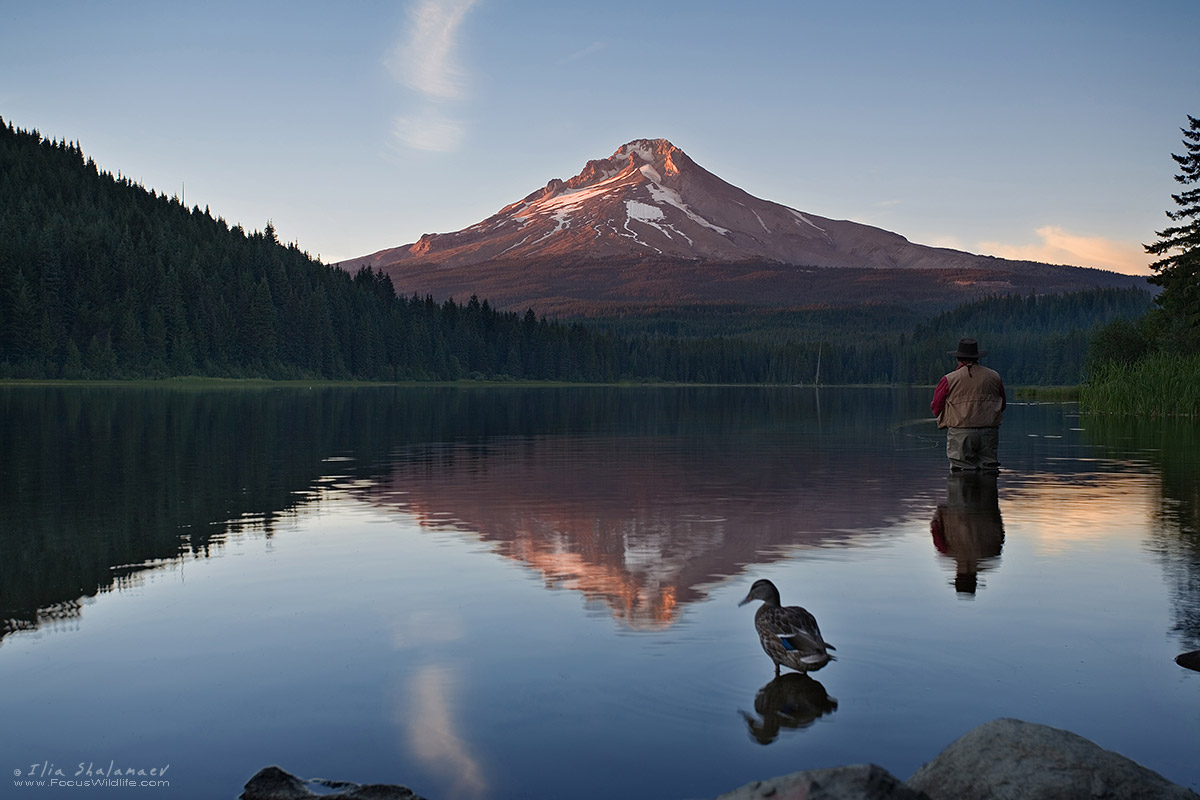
(969, 403)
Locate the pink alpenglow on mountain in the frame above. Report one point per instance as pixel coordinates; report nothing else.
(648, 225)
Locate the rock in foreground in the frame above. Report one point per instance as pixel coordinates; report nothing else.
(858, 782)
(1008, 758)
(273, 783)
(1005, 759)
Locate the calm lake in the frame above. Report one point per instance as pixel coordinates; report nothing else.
(493, 593)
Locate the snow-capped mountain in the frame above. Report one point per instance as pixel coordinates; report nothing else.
(649, 225)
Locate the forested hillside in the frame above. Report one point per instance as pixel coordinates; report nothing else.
(100, 278)
(1035, 339)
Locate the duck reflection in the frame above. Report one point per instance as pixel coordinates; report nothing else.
(793, 700)
(968, 527)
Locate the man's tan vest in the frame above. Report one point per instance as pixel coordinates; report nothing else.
(975, 400)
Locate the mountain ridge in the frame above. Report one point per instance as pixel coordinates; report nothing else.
(648, 224)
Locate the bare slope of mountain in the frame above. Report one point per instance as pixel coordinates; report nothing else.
(650, 227)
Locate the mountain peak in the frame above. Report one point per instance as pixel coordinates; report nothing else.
(653, 153)
(649, 150)
(595, 234)
(658, 153)
(647, 200)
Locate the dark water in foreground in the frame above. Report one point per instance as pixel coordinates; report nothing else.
(532, 593)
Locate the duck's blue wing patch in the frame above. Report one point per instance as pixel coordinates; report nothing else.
(799, 640)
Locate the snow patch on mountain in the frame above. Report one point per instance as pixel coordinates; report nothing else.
(562, 221)
(651, 173)
(654, 217)
(515, 246)
(669, 196)
(805, 219)
(634, 235)
(570, 198)
(643, 212)
(641, 148)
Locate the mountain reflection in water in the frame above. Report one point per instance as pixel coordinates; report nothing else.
(643, 522)
(637, 498)
(366, 566)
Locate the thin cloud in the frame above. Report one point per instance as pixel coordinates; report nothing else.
(1058, 246)
(425, 60)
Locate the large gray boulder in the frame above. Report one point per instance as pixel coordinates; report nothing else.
(273, 783)
(1008, 759)
(858, 782)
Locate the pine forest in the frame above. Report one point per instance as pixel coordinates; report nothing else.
(101, 278)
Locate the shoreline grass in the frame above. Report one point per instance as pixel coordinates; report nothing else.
(1160, 385)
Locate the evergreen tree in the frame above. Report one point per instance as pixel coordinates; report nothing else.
(73, 365)
(260, 324)
(1178, 271)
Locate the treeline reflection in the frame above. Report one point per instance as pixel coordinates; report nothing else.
(100, 483)
(638, 498)
(615, 491)
(1172, 449)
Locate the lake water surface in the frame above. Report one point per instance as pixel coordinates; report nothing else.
(493, 593)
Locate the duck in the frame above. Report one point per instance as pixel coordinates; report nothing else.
(789, 634)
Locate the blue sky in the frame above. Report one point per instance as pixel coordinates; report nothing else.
(1021, 129)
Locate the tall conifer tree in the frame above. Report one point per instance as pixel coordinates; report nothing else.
(1178, 270)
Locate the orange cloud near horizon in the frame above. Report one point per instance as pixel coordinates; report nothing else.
(1059, 246)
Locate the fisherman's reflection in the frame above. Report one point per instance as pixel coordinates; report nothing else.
(968, 526)
(793, 700)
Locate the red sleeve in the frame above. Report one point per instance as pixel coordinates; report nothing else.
(939, 396)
